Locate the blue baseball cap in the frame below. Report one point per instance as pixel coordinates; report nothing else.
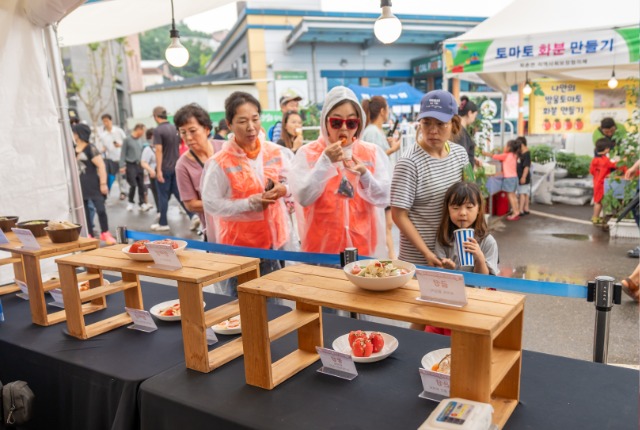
(438, 104)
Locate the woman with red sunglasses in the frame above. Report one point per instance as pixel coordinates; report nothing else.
(341, 182)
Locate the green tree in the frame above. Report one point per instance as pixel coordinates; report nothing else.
(154, 42)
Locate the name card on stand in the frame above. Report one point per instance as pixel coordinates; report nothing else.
(24, 289)
(164, 256)
(58, 301)
(435, 385)
(142, 320)
(337, 364)
(27, 238)
(212, 339)
(3, 238)
(442, 288)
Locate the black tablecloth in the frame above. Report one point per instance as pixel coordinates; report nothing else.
(91, 384)
(556, 393)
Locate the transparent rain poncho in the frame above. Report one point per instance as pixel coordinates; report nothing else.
(336, 206)
(232, 188)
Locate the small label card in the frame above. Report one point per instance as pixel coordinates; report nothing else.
(24, 290)
(442, 288)
(435, 385)
(164, 256)
(3, 238)
(27, 238)
(57, 302)
(142, 320)
(337, 364)
(211, 336)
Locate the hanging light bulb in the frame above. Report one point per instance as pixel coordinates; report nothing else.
(176, 54)
(387, 27)
(613, 82)
(526, 90)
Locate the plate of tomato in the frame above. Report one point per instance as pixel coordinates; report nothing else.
(139, 251)
(366, 346)
(168, 311)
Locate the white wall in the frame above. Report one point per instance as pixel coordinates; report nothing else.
(218, 94)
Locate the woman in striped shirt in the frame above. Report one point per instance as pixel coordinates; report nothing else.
(422, 177)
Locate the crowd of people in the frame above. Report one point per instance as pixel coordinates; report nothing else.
(244, 188)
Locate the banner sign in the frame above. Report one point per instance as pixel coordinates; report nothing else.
(577, 107)
(552, 51)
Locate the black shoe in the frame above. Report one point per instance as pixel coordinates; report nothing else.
(634, 253)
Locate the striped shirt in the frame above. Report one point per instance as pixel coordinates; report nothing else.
(419, 185)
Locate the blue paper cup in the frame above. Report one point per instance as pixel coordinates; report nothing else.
(461, 236)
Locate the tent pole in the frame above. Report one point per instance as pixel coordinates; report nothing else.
(56, 72)
(503, 99)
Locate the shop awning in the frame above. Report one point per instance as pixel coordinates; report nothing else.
(396, 95)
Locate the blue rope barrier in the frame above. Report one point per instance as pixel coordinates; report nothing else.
(475, 279)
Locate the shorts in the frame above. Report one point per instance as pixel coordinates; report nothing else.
(509, 184)
(524, 189)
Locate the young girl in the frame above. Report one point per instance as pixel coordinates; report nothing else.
(510, 175)
(464, 208)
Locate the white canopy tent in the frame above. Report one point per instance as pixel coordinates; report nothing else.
(490, 45)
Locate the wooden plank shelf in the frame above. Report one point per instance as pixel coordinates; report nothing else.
(108, 324)
(105, 290)
(54, 283)
(225, 353)
(486, 340)
(9, 288)
(221, 313)
(9, 260)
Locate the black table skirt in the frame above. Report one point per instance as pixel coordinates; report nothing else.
(91, 384)
(556, 393)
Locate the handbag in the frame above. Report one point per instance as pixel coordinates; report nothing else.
(17, 403)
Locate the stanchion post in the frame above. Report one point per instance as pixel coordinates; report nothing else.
(604, 293)
(121, 234)
(349, 255)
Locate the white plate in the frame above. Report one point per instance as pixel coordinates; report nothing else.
(380, 284)
(145, 256)
(155, 310)
(54, 276)
(341, 344)
(434, 357)
(227, 331)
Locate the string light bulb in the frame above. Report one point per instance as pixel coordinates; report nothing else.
(613, 82)
(176, 54)
(527, 89)
(387, 27)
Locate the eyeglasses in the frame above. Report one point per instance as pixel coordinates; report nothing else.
(336, 123)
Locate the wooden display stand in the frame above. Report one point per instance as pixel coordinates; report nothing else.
(26, 268)
(199, 269)
(486, 340)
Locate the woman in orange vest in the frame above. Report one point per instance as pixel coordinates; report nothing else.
(243, 184)
(341, 182)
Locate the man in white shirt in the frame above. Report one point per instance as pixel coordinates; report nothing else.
(111, 139)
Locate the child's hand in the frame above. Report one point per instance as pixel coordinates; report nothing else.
(448, 264)
(473, 247)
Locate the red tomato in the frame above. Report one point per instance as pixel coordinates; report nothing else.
(173, 244)
(355, 270)
(362, 348)
(139, 247)
(567, 124)
(356, 335)
(557, 125)
(579, 124)
(546, 125)
(377, 341)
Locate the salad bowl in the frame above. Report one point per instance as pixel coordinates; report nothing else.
(367, 274)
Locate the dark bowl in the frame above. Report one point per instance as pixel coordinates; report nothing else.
(64, 235)
(36, 229)
(8, 223)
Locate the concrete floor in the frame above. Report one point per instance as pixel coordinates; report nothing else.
(535, 247)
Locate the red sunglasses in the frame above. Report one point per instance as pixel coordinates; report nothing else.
(336, 123)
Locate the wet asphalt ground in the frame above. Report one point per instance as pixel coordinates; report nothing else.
(539, 246)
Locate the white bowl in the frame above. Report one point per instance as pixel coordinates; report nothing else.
(155, 310)
(146, 256)
(434, 357)
(380, 284)
(341, 344)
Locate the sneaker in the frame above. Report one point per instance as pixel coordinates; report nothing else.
(107, 238)
(130, 207)
(158, 227)
(145, 207)
(195, 223)
(513, 218)
(634, 253)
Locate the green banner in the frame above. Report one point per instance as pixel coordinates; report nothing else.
(267, 119)
(290, 76)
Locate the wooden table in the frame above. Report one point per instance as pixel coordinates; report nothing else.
(26, 268)
(486, 339)
(199, 269)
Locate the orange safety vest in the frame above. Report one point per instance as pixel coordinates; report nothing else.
(271, 231)
(325, 219)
